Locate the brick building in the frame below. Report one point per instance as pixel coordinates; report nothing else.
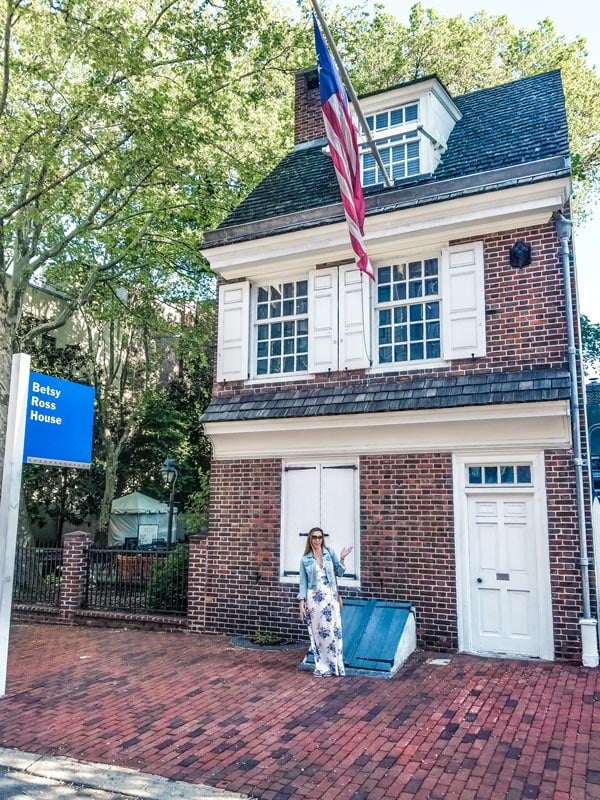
(422, 418)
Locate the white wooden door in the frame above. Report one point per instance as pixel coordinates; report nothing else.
(503, 573)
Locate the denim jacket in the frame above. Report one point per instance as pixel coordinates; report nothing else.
(308, 571)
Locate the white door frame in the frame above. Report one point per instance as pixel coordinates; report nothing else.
(461, 541)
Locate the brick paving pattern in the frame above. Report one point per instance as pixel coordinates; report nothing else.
(198, 709)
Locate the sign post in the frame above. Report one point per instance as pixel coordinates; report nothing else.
(50, 421)
(11, 495)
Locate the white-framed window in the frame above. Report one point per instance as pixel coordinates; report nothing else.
(507, 475)
(325, 494)
(399, 149)
(408, 312)
(281, 329)
(422, 309)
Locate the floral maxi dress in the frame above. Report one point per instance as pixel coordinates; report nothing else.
(325, 626)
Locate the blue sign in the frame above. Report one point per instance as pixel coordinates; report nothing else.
(60, 422)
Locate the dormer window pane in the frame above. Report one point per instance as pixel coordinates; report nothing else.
(399, 153)
(411, 113)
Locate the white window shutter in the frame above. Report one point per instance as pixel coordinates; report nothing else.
(339, 510)
(463, 301)
(301, 500)
(323, 320)
(233, 333)
(354, 316)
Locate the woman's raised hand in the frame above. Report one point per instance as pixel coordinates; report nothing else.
(345, 552)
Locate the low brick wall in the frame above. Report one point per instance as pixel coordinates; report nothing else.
(70, 610)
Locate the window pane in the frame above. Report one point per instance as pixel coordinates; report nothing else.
(415, 289)
(263, 332)
(369, 121)
(288, 364)
(288, 308)
(289, 328)
(432, 330)
(288, 346)
(275, 309)
(385, 335)
(399, 291)
(399, 272)
(416, 312)
(288, 290)
(416, 331)
(384, 294)
(381, 121)
(413, 168)
(491, 474)
(433, 350)
(432, 310)
(262, 312)
(416, 352)
(263, 295)
(524, 474)
(400, 314)
(415, 269)
(507, 474)
(275, 293)
(411, 113)
(474, 475)
(303, 344)
(385, 355)
(431, 286)
(276, 348)
(383, 274)
(262, 349)
(397, 116)
(302, 289)
(400, 353)
(261, 366)
(302, 306)
(276, 330)
(431, 267)
(302, 327)
(275, 366)
(401, 333)
(302, 363)
(385, 317)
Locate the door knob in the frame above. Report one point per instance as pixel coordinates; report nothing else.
(479, 580)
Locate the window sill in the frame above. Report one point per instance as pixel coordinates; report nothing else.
(407, 367)
(289, 377)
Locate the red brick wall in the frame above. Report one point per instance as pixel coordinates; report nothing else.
(243, 591)
(565, 574)
(407, 547)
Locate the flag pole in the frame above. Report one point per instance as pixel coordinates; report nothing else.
(351, 92)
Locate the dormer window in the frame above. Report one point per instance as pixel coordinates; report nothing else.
(399, 148)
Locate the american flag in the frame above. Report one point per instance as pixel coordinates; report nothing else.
(343, 144)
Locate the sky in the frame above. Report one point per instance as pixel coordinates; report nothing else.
(571, 19)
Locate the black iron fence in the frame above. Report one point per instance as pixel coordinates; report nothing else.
(143, 581)
(37, 575)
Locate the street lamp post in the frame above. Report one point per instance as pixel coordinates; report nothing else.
(169, 475)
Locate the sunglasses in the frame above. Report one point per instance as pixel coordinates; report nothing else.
(316, 537)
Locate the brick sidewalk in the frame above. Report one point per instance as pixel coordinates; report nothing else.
(197, 709)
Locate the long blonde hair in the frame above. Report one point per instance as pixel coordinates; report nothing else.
(308, 548)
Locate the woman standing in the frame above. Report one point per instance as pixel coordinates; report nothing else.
(319, 605)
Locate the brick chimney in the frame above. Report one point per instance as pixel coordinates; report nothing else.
(308, 123)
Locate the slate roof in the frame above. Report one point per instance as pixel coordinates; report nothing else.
(502, 128)
(393, 394)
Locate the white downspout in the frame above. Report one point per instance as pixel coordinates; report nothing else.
(588, 625)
